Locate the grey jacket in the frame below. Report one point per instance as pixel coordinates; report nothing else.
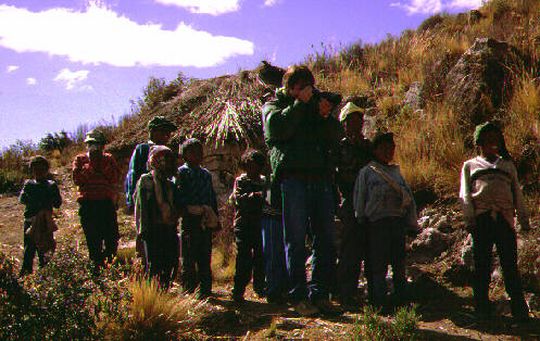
(374, 198)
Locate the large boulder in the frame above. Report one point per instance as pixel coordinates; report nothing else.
(481, 79)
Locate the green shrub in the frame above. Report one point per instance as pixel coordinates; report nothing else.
(431, 23)
(371, 326)
(56, 141)
(62, 301)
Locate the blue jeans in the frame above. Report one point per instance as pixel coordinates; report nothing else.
(309, 205)
(274, 256)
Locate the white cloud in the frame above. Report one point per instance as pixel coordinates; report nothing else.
(213, 7)
(270, 3)
(72, 79)
(99, 35)
(436, 6)
(420, 6)
(11, 68)
(31, 81)
(466, 4)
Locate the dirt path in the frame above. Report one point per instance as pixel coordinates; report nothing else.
(445, 310)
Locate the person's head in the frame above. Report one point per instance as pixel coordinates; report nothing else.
(160, 129)
(296, 78)
(488, 138)
(95, 142)
(352, 118)
(192, 152)
(162, 160)
(39, 167)
(383, 147)
(253, 162)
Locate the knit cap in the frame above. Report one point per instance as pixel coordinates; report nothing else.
(348, 109)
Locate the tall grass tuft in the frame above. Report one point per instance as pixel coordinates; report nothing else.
(158, 315)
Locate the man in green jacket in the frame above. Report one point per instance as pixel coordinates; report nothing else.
(301, 134)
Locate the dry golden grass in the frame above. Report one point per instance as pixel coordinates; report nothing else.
(158, 315)
(430, 149)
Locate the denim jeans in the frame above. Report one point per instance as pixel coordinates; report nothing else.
(309, 205)
(274, 256)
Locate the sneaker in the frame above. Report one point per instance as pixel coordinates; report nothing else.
(306, 309)
(327, 308)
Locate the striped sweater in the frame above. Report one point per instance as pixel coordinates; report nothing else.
(96, 180)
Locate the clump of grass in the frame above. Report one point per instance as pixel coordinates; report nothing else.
(157, 315)
(223, 265)
(371, 326)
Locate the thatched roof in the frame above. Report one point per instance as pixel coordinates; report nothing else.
(221, 109)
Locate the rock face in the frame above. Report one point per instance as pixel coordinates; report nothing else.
(478, 84)
(429, 244)
(413, 97)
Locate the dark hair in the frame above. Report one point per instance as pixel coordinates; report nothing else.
(381, 138)
(252, 155)
(298, 74)
(38, 160)
(486, 127)
(190, 144)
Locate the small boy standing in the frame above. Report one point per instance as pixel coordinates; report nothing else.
(491, 195)
(248, 197)
(39, 195)
(157, 216)
(199, 217)
(384, 203)
(354, 154)
(97, 176)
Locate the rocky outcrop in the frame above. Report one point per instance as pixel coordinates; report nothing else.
(413, 97)
(477, 86)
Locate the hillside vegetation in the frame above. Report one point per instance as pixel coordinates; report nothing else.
(405, 84)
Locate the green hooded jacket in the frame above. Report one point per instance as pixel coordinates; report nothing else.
(300, 140)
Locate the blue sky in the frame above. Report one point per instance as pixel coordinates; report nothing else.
(69, 62)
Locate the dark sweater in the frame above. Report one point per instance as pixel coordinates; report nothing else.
(37, 196)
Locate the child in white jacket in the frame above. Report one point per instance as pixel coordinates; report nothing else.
(491, 195)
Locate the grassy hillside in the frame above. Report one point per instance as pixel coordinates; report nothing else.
(433, 139)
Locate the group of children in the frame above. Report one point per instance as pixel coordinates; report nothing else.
(377, 210)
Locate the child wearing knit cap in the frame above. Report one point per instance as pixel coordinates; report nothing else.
(491, 196)
(157, 215)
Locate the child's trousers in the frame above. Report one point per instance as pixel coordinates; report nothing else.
(196, 256)
(386, 246)
(100, 226)
(496, 231)
(162, 254)
(249, 257)
(30, 250)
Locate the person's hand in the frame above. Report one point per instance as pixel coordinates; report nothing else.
(325, 107)
(305, 94)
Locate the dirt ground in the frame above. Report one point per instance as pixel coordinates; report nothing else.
(446, 310)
